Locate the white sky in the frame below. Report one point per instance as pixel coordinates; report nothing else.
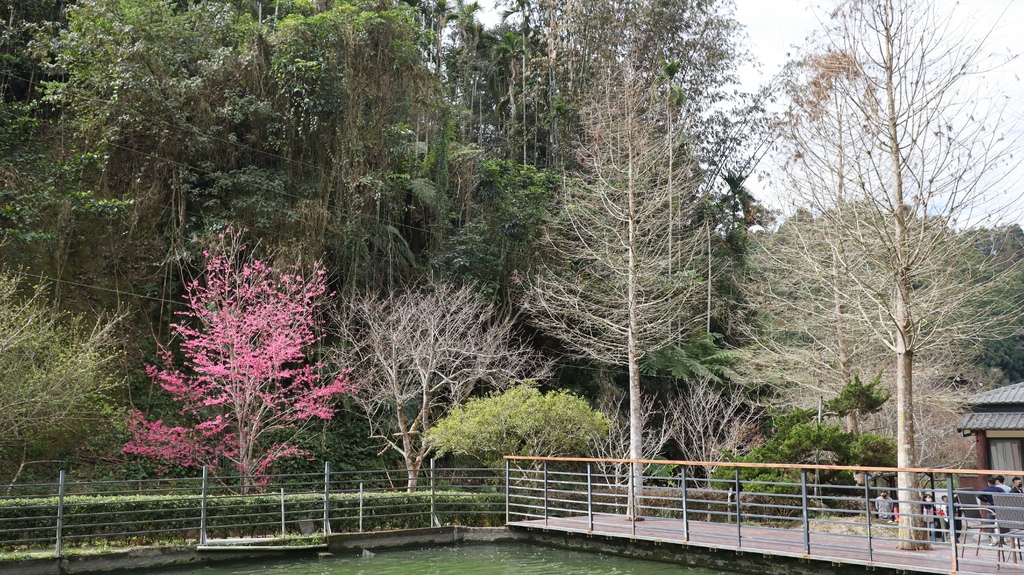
(774, 27)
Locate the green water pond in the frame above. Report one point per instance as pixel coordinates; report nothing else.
(474, 559)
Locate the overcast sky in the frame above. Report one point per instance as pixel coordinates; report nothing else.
(774, 27)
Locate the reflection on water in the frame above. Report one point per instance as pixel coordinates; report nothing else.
(457, 560)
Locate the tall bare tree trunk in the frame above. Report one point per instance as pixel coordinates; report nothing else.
(609, 295)
(635, 430)
(905, 452)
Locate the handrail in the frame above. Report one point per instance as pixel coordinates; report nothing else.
(33, 516)
(744, 464)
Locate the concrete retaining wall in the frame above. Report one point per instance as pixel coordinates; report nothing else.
(134, 560)
(693, 556)
(426, 537)
(719, 559)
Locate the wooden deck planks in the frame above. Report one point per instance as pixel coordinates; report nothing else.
(826, 547)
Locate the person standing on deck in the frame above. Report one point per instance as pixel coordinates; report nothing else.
(941, 518)
(985, 497)
(930, 517)
(989, 513)
(999, 483)
(883, 506)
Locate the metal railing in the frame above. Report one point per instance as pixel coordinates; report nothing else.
(803, 511)
(203, 509)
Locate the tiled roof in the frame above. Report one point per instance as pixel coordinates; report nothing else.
(988, 421)
(1007, 394)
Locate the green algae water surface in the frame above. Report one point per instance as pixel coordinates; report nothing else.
(478, 559)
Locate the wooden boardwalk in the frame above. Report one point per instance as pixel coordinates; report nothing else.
(825, 547)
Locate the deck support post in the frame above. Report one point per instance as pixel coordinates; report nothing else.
(508, 487)
(739, 518)
(433, 500)
(327, 498)
(545, 494)
(360, 507)
(951, 520)
(202, 511)
(284, 532)
(633, 503)
(867, 508)
(60, 511)
(686, 511)
(590, 496)
(804, 513)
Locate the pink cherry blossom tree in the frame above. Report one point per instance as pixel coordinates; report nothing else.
(246, 385)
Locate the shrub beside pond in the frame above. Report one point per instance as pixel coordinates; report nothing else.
(141, 519)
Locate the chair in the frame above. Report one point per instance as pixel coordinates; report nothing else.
(972, 515)
(1010, 520)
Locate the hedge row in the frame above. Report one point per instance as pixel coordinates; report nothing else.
(148, 518)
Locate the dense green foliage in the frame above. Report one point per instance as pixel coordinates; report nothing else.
(520, 421)
(57, 380)
(402, 143)
(797, 437)
(859, 398)
(395, 141)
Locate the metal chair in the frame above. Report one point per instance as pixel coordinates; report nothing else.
(972, 516)
(1010, 520)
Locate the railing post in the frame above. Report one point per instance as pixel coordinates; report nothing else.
(60, 511)
(283, 528)
(686, 511)
(327, 498)
(867, 507)
(433, 508)
(545, 494)
(804, 513)
(360, 506)
(739, 518)
(203, 504)
(632, 505)
(590, 496)
(951, 519)
(508, 490)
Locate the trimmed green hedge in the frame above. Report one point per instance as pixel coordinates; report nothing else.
(148, 518)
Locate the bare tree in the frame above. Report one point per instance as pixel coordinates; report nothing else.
(939, 444)
(616, 444)
(810, 343)
(706, 422)
(894, 145)
(416, 355)
(610, 289)
(809, 346)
